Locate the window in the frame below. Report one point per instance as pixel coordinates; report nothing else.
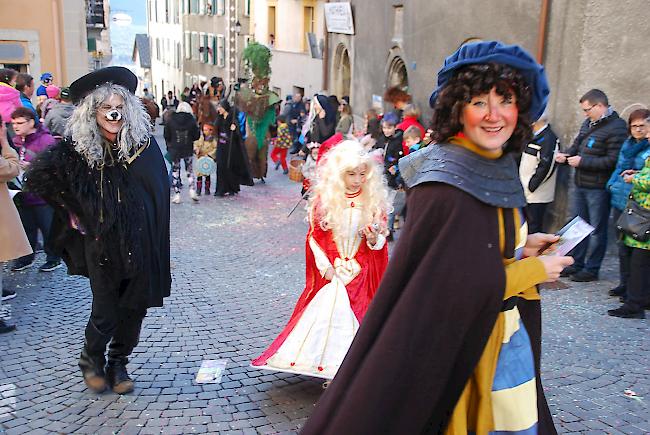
(157, 49)
(203, 48)
(220, 7)
(194, 6)
(271, 27)
(188, 45)
(247, 8)
(221, 51)
(398, 25)
(308, 25)
(195, 46)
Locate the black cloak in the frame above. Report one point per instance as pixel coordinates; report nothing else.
(124, 213)
(232, 160)
(426, 329)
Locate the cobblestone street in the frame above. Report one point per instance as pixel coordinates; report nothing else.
(238, 268)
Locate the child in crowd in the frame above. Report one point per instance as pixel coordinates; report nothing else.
(205, 146)
(391, 143)
(282, 144)
(308, 168)
(413, 138)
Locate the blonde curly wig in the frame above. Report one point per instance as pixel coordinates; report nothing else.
(328, 198)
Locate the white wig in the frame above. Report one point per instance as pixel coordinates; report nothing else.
(184, 108)
(329, 190)
(84, 131)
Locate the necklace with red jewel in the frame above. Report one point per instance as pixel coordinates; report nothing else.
(352, 195)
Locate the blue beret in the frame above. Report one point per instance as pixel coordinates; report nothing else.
(497, 52)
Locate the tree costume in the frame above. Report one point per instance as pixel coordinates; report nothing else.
(258, 103)
(452, 341)
(111, 222)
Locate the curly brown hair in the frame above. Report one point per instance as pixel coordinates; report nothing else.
(472, 80)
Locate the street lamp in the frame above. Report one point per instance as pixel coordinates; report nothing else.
(237, 27)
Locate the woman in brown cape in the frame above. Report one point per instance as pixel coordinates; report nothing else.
(451, 342)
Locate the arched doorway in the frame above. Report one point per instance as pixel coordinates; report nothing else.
(342, 72)
(397, 74)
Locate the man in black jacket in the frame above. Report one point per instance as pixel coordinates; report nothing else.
(593, 155)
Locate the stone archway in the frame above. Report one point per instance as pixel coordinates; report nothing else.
(397, 74)
(342, 71)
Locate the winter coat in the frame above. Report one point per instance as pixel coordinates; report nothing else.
(537, 167)
(393, 151)
(204, 147)
(9, 101)
(57, 118)
(28, 149)
(321, 130)
(598, 144)
(345, 125)
(632, 156)
(27, 102)
(641, 194)
(180, 133)
(405, 124)
(13, 241)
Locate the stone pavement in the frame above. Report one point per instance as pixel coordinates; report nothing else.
(238, 268)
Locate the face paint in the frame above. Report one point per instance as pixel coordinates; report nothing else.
(109, 117)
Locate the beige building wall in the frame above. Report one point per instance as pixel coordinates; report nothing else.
(292, 64)
(56, 35)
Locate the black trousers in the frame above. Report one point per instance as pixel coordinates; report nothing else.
(638, 286)
(535, 216)
(112, 325)
(624, 252)
(35, 218)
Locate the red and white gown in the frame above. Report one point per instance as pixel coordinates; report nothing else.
(327, 314)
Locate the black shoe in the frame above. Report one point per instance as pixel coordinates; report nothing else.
(262, 180)
(285, 172)
(92, 369)
(207, 192)
(8, 294)
(277, 166)
(49, 266)
(118, 378)
(568, 271)
(618, 291)
(4, 327)
(22, 265)
(626, 313)
(198, 193)
(584, 276)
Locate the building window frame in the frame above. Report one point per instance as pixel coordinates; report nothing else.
(221, 51)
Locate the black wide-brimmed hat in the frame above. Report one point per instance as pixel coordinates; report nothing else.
(117, 75)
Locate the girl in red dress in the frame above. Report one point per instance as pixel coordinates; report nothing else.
(346, 256)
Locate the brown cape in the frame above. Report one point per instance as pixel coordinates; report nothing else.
(428, 324)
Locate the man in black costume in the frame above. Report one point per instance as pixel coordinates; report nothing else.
(108, 184)
(232, 161)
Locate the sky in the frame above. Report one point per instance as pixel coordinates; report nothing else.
(123, 37)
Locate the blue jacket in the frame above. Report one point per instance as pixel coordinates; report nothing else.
(632, 156)
(28, 103)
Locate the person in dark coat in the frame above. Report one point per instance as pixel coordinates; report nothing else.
(108, 184)
(232, 160)
(180, 133)
(593, 154)
(451, 342)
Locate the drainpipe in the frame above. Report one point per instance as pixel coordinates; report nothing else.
(58, 60)
(541, 33)
(326, 49)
